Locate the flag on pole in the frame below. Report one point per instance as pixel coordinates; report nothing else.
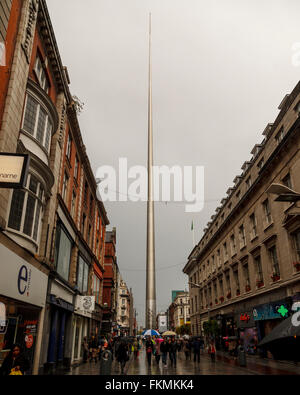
(192, 227)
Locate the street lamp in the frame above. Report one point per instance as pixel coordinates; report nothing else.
(284, 193)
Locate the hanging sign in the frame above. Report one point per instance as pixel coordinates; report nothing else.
(13, 170)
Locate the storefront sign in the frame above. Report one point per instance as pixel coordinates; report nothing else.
(85, 303)
(29, 341)
(245, 317)
(271, 311)
(13, 170)
(20, 280)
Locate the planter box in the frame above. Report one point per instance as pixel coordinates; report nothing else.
(275, 278)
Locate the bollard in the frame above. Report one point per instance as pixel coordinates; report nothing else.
(242, 356)
(106, 363)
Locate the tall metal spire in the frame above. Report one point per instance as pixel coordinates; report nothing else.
(150, 270)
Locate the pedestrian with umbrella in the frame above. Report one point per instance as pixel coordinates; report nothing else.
(157, 351)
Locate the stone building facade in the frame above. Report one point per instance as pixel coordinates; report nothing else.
(245, 271)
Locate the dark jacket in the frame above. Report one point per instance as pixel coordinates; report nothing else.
(196, 346)
(93, 343)
(9, 363)
(149, 345)
(173, 347)
(164, 347)
(122, 352)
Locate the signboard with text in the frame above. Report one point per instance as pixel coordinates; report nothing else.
(13, 170)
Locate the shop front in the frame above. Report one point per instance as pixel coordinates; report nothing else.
(82, 325)
(23, 290)
(60, 318)
(247, 331)
(268, 315)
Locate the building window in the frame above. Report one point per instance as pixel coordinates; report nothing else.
(275, 262)
(246, 277)
(261, 163)
(225, 252)
(238, 195)
(82, 275)
(248, 183)
(267, 212)
(26, 208)
(76, 166)
(233, 245)
(37, 122)
(279, 136)
(83, 224)
(123, 301)
(259, 272)
(69, 147)
(73, 205)
(41, 74)
(253, 225)
(64, 192)
(242, 236)
(96, 290)
(218, 258)
(63, 248)
(237, 281)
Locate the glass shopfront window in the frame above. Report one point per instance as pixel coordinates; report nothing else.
(18, 325)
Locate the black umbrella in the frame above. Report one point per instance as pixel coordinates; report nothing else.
(284, 341)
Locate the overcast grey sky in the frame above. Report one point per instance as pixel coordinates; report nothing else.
(220, 70)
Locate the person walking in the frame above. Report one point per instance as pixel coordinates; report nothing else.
(122, 355)
(93, 348)
(85, 346)
(173, 351)
(135, 348)
(196, 349)
(212, 352)
(187, 350)
(15, 363)
(149, 350)
(157, 351)
(164, 349)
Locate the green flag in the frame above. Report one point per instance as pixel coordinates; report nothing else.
(192, 227)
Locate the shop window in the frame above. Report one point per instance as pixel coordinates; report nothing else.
(26, 208)
(63, 253)
(37, 122)
(82, 275)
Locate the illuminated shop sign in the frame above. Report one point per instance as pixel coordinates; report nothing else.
(13, 170)
(271, 311)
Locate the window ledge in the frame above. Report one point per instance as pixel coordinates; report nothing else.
(243, 247)
(268, 226)
(254, 238)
